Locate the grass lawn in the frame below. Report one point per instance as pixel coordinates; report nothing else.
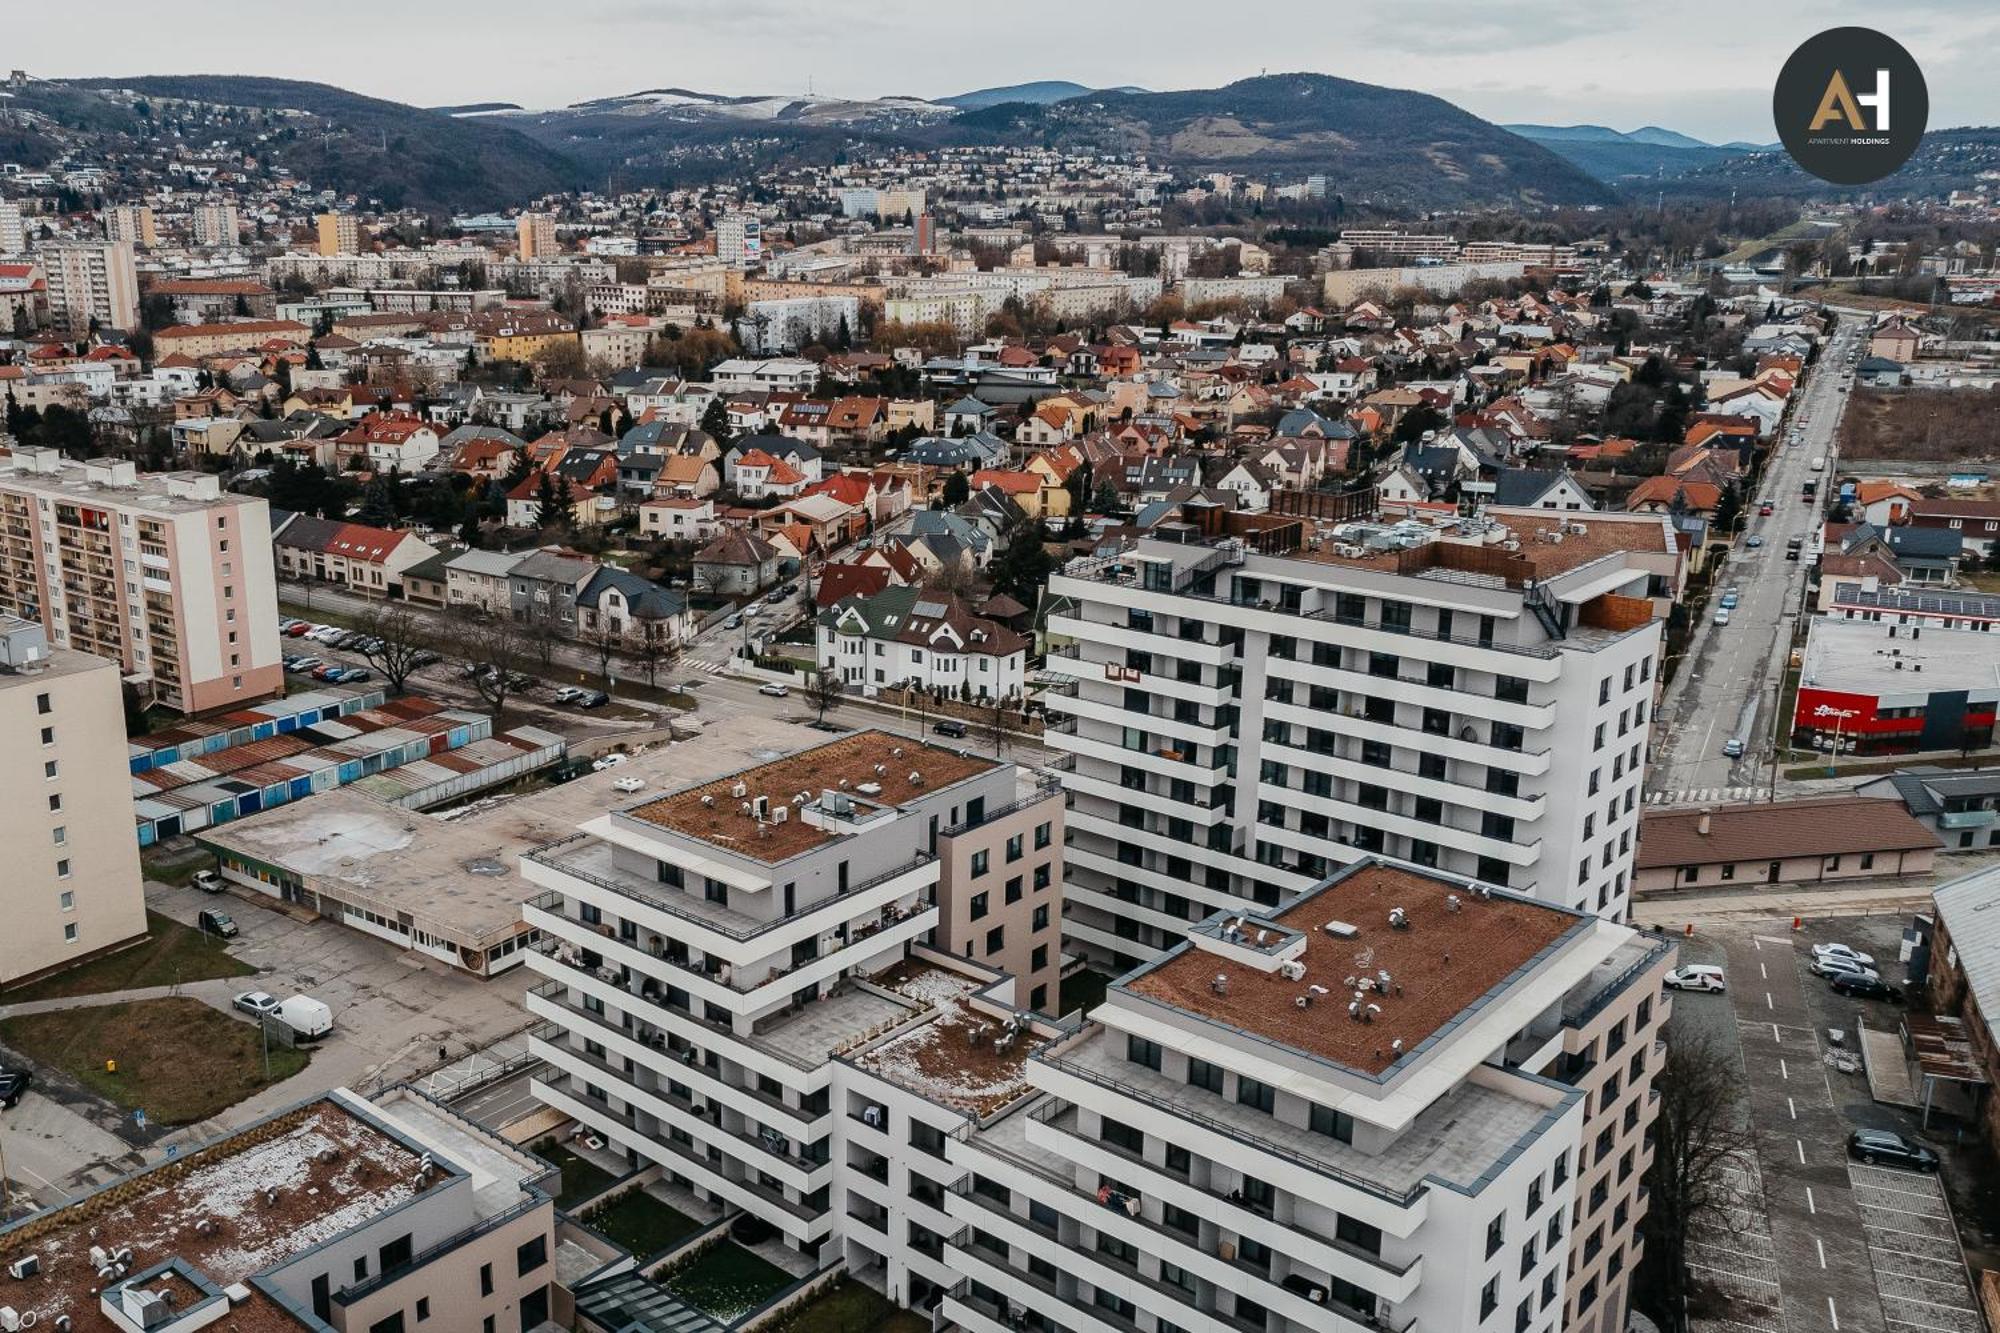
(641, 1223)
(1082, 990)
(1855, 768)
(727, 1281)
(581, 1178)
(172, 952)
(1985, 580)
(178, 1059)
(168, 868)
(852, 1307)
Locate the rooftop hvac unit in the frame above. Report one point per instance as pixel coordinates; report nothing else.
(26, 1266)
(739, 790)
(1292, 969)
(781, 814)
(1341, 930)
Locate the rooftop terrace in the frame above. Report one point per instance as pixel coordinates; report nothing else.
(957, 1059)
(874, 768)
(1452, 947)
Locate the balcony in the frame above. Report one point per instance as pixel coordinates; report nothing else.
(1164, 761)
(1444, 835)
(1416, 693)
(1462, 794)
(1967, 819)
(1448, 745)
(1124, 636)
(1204, 810)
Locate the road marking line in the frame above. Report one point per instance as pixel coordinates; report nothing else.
(1899, 1231)
(1822, 1250)
(1776, 1036)
(1906, 1212)
(1933, 1281)
(1911, 1323)
(1783, 1072)
(1793, 1107)
(1762, 973)
(1810, 1206)
(1934, 1305)
(1833, 1314)
(1770, 1004)
(1730, 1272)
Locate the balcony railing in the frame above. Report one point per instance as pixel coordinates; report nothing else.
(1044, 789)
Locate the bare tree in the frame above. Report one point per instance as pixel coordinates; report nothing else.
(1703, 1137)
(656, 650)
(605, 644)
(541, 630)
(491, 649)
(823, 690)
(396, 642)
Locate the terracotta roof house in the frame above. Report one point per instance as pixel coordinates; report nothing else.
(1813, 841)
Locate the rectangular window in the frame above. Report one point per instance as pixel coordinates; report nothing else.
(980, 861)
(978, 907)
(1251, 1093)
(486, 1281)
(1202, 1074)
(530, 1255)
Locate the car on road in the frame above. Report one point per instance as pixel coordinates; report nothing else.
(1729, 600)
(1754, 542)
(213, 922)
(776, 597)
(1697, 977)
(605, 761)
(775, 690)
(1766, 509)
(425, 658)
(298, 629)
(734, 622)
(355, 675)
(1722, 615)
(570, 694)
(1861, 988)
(1847, 951)
(208, 881)
(13, 1083)
(1733, 747)
(629, 784)
(256, 1002)
(1885, 1147)
(593, 699)
(951, 728)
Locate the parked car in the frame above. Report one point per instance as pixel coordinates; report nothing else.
(208, 881)
(425, 657)
(569, 694)
(213, 922)
(604, 761)
(1729, 600)
(14, 1083)
(776, 597)
(355, 675)
(1698, 977)
(1885, 1147)
(298, 629)
(1842, 967)
(628, 784)
(1863, 988)
(593, 699)
(1847, 951)
(950, 727)
(256, 1002)
(734, 622)
(1733, 748)
(1754, 542)
(1765, 509)
(774, 689)
(326, 670)
(1722, 616)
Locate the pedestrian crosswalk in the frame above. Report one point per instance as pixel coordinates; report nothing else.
(1705, 795)
(711, 668)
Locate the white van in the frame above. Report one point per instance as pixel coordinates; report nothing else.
(1697, 976)
(310, 1019)
(1819, 463)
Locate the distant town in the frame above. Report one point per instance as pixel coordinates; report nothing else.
(989, 737)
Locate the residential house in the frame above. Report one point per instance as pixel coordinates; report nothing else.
(366, 560)
(478, 579)
(620, 606)
(543, 588)
(737, 564)
(910, 636)
(1976, 523)
(759, 476)
(387, 442)
(678, 518)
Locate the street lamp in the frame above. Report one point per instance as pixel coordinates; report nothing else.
(1839, 715)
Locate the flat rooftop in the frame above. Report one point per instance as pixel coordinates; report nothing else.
(1550, 544)
(1441, 964)
(461, 870)
(1860, 657)
(957, 1059)
(165, 493)
(875, 768)
(158, 1212)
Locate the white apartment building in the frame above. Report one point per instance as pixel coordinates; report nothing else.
(90, 281)
(13, 234)
(1387, 242)
(964, 311)
(741, 980)
(777, 374)
(215, 222)
(73, 886)
(1403, 1102)
(1243, 723)
(739, 240)
(165, 574)
(792, 322)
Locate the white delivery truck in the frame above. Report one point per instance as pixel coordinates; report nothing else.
(308, 1018)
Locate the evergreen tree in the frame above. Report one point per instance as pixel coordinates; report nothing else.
(957, 490)
(1023, 566)
(468, 531)
(519, 470)
(548, 508)
(715, 423)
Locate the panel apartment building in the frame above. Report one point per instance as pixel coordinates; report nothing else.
(73, 885)
(1243, 721)
(1403, 1101)
(165, 574)
(726, 964)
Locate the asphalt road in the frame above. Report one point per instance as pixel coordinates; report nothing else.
(1728, 684)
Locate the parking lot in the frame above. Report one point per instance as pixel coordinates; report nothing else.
(1818, 1242)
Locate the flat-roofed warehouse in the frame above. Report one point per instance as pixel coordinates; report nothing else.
(449, 886)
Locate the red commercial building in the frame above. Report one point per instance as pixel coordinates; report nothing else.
(1872, 688)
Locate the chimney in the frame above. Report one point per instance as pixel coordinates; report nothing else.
(1701, 825)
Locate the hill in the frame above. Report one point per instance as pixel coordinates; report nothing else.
(1035, 94)
(1386, 146)
(1621, 159)
(1945, 160)
(403, 155)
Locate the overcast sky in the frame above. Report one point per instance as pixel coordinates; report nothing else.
(1704, 67)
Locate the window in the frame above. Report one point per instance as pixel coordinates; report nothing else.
(391, 1324)
(62, 872)
(360, 1267)
(978, 907)
(61, 835)
(486, 1284)
(66, 899)
(1334, 1124)
(1014, 889)
(1496, 1235)
(69, 933)
(1040, 919)
(423, 1308)
(1202, 1074)
(55, 802)
(996, 940)
(1489, 1297)
(1251, 1093)
(1043, 877)
(49, 769)
(530, 1255)
(980, 860)
(42, 704)
(48, 735)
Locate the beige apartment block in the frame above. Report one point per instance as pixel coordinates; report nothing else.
(91, 281)
(165, 574)
(132, 224)
(535, 236)
(339, 234)
(1000, 896)
(73, 887)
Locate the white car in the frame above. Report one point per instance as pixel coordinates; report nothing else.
(1722, 616)
(629, 784)
(256, 1002)
(1847, 952)
(1696, 976)
(775, 690)
(605, 761)
(208, 881)
(1834, 966)
(569, 694)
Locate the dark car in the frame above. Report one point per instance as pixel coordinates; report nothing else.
(1883, 1147)
(213, 922)
(955, 730)
(1866, 988)
(14, 1082)
(594, 699)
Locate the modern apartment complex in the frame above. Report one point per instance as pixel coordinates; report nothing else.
(337, 1213)
(165, 574)
(215, 222)
(133, 224)
(13, 233)
(74, 887)
(535, 236)
(739, 970)
(1257, 704)
(1403, 1101)
(91, 281)
(739, 240)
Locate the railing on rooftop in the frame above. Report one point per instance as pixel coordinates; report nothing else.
(626, 888)
(356, 1291)
(1045, 787)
